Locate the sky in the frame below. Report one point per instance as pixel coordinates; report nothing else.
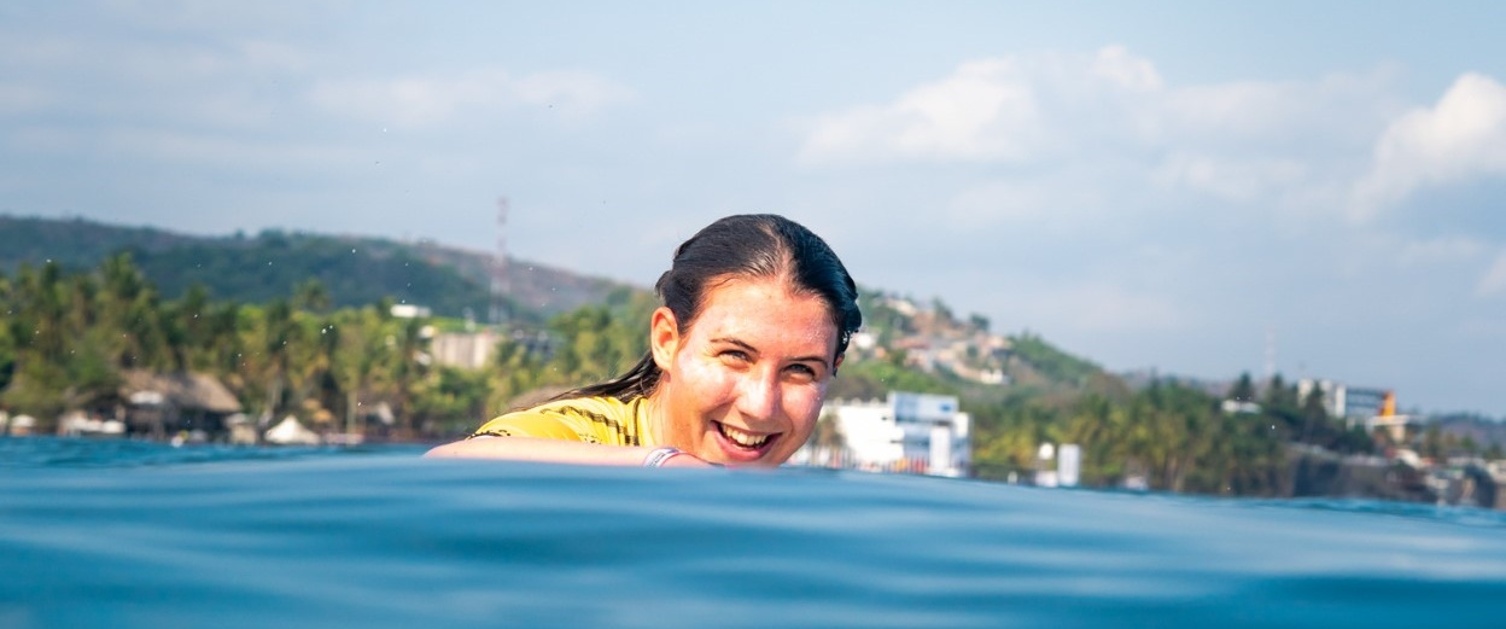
(1198, 188)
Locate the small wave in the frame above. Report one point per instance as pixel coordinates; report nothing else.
(53, 452)
(316, 537)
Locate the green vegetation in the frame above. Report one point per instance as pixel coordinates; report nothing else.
(352, 271)
(69, 336)
(75, 244)
(1172, 437)
(274, 264)
(1169, 435)
(593, 343)
(1051, 363)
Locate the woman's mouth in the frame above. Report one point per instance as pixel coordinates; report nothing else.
(743, 444)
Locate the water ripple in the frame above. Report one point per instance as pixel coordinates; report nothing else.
(379, 538)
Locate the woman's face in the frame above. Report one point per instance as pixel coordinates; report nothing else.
(744, 385)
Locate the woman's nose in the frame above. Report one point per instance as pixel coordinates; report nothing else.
(757, 396)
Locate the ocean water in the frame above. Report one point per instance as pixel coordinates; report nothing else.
(127, 534)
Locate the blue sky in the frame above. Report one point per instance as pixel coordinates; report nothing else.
(1145, 184)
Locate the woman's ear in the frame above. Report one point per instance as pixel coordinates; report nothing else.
(663, 337)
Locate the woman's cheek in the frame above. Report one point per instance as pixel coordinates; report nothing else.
(708, 378)
(805, 406)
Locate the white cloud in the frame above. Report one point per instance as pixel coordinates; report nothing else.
(1003, 109)
(1494, 281)
(1289, 114)
(1289, 145)
(426, 101)
(983, 111)
(1116, 65)
(237, 82)
(1462, 137)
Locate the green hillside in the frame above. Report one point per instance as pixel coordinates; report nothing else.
(273, 265)
(354, 271)
(75, 244)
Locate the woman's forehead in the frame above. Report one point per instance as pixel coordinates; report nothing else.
(765, 307)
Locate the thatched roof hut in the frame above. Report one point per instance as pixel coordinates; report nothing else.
(183, 390)
(163, 403)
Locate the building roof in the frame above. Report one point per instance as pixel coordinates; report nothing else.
(185, 390)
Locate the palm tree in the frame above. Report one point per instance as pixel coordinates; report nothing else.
(280, 336)
(408, 363)
(359, 352)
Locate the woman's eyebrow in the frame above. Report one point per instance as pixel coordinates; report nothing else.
(738, 342)
(744, 345)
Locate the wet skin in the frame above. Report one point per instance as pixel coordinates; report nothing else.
(744, 384)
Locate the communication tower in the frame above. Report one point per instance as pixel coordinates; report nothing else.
(501, 285)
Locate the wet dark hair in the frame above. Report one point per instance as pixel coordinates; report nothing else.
(764, 246)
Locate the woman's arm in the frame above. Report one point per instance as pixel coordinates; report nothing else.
(555, 451)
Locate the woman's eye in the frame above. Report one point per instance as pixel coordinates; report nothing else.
(804, 371)
(733, 355)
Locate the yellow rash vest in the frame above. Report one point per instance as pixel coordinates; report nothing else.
(605, 420)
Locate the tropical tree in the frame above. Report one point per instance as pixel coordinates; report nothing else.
(360, 352)
(1243, 389)
(407, 364)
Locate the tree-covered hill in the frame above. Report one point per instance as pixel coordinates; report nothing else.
(75, 244)
(353, 271)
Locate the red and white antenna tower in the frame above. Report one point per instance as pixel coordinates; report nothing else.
(501, 285)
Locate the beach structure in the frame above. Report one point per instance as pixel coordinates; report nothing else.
(906, 432)
(291, 432)
(164, 404)
(466, 350)
(19, 426)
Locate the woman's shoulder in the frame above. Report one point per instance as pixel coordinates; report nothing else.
(605, 406)
(590, 419)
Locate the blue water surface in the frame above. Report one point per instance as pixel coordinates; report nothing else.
(132, 534)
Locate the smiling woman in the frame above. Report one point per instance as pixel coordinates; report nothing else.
(757, 312)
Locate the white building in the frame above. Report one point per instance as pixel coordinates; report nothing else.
(467, 350)
(1340, 400)
(410, 311)
(914, 432)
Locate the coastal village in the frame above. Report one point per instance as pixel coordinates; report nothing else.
(893, 431)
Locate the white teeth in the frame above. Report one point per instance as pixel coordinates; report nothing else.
(744, 439)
